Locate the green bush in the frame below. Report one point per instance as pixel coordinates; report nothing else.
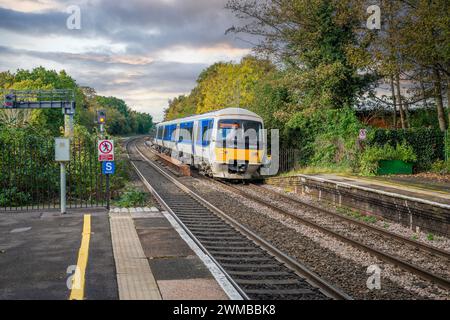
(14, 198)
(132, 198)
(368, 161)
(427, 143)
(441, 167)
(326, 137)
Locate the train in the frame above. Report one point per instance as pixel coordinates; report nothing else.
(226, 144)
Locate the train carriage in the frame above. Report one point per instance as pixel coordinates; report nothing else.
(227, 143)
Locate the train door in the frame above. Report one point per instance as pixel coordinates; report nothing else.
(204, 138)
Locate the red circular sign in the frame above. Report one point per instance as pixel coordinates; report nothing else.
(105, 147)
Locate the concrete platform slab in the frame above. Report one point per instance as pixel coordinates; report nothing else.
(157, 222)
(179, 268)
(192, 289)
(163, 243)
(146, 215)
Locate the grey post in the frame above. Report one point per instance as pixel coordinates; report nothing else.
(62, 155)
(63, 188)
(68, 133)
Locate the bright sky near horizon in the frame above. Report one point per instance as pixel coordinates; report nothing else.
(142, 51)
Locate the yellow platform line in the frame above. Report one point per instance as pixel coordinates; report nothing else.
(77, 292)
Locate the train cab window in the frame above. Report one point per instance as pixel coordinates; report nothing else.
(186, 131)
(205, 132)
(239, 133)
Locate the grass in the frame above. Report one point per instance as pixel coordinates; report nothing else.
(357, 215)
(430, 237)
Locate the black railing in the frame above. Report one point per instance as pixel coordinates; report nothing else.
(30, 177)
(289, 159)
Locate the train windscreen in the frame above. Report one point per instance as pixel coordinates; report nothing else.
(243, 134)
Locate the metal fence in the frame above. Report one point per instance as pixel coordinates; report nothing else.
(289, 159)
(30, 177)
(447, 145)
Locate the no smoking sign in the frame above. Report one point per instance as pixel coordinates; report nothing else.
(105, 150)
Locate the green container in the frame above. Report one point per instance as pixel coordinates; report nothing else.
(386, 167)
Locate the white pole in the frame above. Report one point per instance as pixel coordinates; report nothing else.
(63, 187)
(68, 133)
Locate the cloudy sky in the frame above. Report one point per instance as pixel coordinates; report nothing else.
(142, 51)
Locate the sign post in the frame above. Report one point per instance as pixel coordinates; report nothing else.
(108, 168)
(106, 156)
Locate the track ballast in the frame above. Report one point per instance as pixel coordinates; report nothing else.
(257, 273)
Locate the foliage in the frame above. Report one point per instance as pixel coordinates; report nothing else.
(27, 159)
(441, 167)
(313, 40)
(14, 198)
(326, 65)
(27, 142)
(121, 119)
(221, 85)
(370, 157)
(132, 198)
(427, 143)
(326, 137)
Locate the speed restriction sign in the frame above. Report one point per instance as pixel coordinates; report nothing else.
(105, 150)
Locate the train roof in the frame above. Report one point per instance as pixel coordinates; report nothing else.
(217, 113)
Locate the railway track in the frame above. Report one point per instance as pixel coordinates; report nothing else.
(419, 271)
(256, 269)
(419, 245)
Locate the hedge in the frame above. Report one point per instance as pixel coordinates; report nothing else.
(427, 143)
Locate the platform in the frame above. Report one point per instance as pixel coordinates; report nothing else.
(93, 254)
(39, 254)
(154, 262)
(432, 192)
(419, 206)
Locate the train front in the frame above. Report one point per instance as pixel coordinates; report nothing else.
(239, 149)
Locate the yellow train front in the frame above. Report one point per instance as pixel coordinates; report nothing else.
(227, 143)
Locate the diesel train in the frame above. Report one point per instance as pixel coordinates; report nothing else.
(227, 143)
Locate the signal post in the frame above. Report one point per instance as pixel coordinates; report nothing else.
(105, 149)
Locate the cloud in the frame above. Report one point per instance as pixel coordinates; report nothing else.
(145, 51)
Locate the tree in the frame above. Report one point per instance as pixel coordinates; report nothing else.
(221, 85)
(121, 118)
(313, 39)
(425, 45)
(411, 51)
(226, 85)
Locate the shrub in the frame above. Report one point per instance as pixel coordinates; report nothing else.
(325, 137)
(441, 167)
(14, 198)
(368, 162)
(132, 198)
(427, 143)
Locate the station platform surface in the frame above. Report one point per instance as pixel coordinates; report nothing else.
(414, 187)
(39, 254)
(172, 270)
(128, 254)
